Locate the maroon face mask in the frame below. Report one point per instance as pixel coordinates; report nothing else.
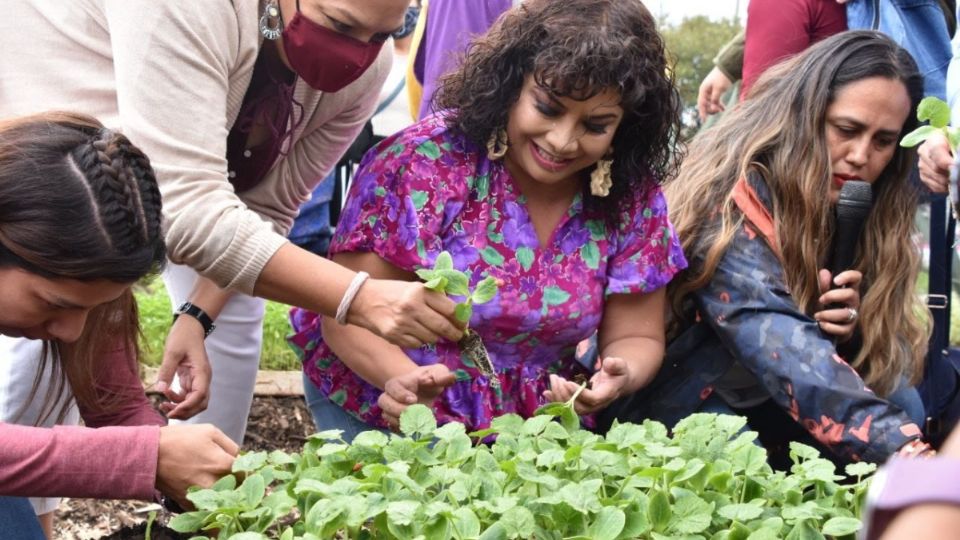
(326, 60)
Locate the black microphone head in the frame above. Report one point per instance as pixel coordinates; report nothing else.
(856, 198)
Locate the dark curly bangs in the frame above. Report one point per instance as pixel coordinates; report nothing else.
(576, 49)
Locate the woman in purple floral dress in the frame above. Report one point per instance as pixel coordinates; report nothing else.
(542, 170)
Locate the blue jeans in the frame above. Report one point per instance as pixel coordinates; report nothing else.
(18, 521)
(328, 415)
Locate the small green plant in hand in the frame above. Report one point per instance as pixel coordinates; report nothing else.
(443, 277)
(937, 113)
(446, 279)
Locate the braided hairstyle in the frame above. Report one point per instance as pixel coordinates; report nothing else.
(79, 201)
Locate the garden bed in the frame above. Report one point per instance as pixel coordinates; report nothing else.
(275, 423)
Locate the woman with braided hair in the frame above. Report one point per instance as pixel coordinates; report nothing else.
(244, 106)
(80, 219)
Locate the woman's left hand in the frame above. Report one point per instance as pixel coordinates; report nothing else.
(606, 385)
(840, 321)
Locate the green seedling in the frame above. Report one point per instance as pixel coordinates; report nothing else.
(443, 277)
(937, 113)
(543, 477)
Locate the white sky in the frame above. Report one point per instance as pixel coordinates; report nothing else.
(676, 10)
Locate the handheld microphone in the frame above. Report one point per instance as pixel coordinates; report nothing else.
(856, 198)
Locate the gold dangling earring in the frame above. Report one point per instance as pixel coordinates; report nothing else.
(495, 150)
(601, 179)
(271, 22)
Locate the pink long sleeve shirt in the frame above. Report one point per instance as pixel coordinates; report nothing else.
(114, 457)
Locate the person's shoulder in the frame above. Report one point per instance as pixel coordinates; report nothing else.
(432, 138)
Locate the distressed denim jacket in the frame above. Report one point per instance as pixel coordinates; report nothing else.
(918, 26)
(746, 315)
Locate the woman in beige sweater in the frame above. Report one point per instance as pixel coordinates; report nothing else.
(243, 106)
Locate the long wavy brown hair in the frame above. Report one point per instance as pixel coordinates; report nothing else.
(779, 131)
(79, 201)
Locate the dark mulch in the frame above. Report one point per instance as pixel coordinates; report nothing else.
(139, 532)
(276, 423)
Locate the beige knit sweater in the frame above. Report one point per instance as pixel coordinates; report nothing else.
(171, 74)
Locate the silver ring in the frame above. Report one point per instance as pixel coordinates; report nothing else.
(852, 314)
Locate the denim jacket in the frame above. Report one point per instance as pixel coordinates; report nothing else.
(918, 26)
(746, 315)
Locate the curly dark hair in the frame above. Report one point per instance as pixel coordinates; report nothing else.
(577, 49)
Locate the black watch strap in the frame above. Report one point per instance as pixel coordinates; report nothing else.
(187, 308)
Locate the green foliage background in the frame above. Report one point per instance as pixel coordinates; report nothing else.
(692, 45)
(155, 319)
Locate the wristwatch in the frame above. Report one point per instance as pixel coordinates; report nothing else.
(187, 308)
(906, 482)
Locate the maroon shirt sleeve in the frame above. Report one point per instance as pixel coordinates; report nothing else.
(71, 461)
(777, 29)
(117, 376)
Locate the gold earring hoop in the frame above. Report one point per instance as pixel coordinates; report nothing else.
(271, 22)
(497, 145)
(601, 179)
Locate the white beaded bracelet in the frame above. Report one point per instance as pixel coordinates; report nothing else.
(348, 296)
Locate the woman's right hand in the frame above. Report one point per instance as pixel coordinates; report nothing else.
(192, 455)
(710, 94)
(935, 162)
(405, 313)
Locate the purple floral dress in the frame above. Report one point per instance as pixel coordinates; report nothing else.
(427, 190)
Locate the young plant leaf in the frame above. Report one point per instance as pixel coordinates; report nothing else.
(438, 283)
(457, 282)
(607, 524)
(444, 261)
(188, 521)
(485, 290)
(418, 420)
(519, 522)
(934, 110)
(464, 311)
(919, 135)
(250, 462)
(426, 274)
(841, 526)
(253, 489)
(860, 468)
(658, 511)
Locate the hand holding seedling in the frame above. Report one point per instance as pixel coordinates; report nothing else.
(607, 384)
(444, 278)
(192, 455)
(939, 143)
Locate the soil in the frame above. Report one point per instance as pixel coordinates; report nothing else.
(276, 423)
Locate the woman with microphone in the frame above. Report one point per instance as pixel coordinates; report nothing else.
(760, 327)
